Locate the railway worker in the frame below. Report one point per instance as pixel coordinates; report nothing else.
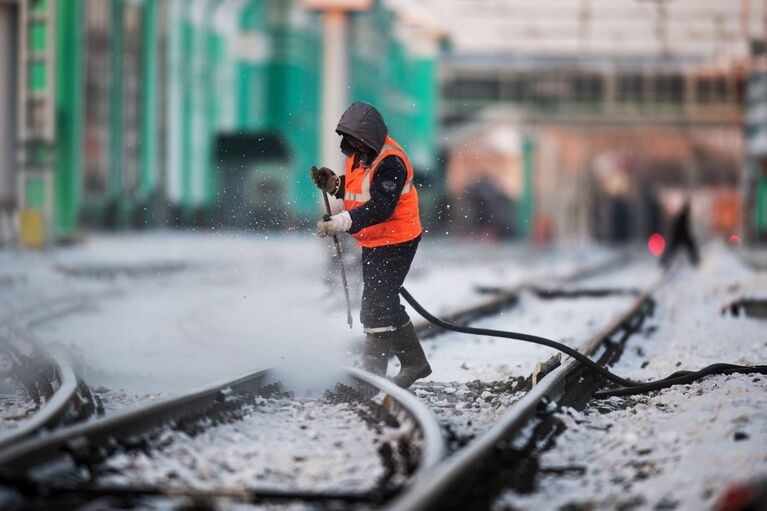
(381, 212)
(681, 237)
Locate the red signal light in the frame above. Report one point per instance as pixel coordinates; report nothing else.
(656, 244)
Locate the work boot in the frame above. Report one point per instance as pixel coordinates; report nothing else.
(375, 354)
(412, 359)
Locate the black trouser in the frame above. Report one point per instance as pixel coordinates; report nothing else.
(384, 270)
(677, 242)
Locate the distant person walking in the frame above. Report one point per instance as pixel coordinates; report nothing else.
(381, 211)
(681, 236)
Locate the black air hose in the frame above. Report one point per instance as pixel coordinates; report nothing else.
(630, 387)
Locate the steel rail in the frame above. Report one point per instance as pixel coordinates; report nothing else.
(248, 495)
(507, 297)
(103, 433)
(52, 411)
(439, 482)
(433, 449)
(31, 456)
(66, 396)
(57, 373)
(16, 459)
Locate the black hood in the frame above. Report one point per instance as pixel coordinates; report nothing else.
(362, 121)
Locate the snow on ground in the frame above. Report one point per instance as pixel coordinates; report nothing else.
(467, 410)
(475, 378)
(230, 305)
(457, 357)
(117, 400)
(289, 444)
(29, 280)
(157, 312)
(678, 448)
(15, 404)
(641, 273)
(445, 274)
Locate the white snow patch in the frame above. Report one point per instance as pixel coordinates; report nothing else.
(461, 358)
(232, 303)
(291, 444)
(681, 446)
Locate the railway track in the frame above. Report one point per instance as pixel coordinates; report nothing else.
(520, 426)
(501, 298)
(469, 400)
(136, 455)
(38, 388)
(487, 376)
(108, 459)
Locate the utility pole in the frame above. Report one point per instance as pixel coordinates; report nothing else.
(335, 73)
(335, 77)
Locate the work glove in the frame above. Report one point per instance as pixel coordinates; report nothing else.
(325, 179)
(332, 225)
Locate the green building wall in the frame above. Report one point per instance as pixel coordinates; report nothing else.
(204, 66)
(293, 93)
(252, 70)
(69, 118)
(390, 71)
(276, 92)
(274, 87)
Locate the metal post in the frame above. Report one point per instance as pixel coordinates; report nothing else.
(211, 115)
(760, 219)
(334, 81)
(21, 114)
(9, 66)
(116, 108)
(148, 171)
(187, 75)
(525, 217)
(174, 163)
(251, 66)
(69, 121)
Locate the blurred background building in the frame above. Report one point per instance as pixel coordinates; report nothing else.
(557, 120)
(618, 111)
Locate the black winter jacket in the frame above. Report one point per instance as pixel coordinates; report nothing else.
(363, 122)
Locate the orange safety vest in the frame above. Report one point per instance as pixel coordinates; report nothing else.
(405, 223)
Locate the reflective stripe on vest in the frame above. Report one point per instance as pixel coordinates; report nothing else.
(380, 329)
(404, 223)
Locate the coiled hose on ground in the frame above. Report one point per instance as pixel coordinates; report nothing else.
(629, 387)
